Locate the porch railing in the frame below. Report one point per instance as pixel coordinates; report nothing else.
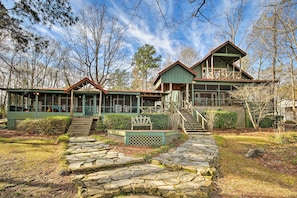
(195, 113)
(150, 109)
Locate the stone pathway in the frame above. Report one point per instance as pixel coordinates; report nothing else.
(185, 171)
(86, 154)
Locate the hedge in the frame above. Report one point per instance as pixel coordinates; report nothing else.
(159, 120)
(119, 121)
(54, 125)
(224, 119)
(116, 121)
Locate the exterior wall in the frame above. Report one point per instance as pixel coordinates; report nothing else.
(176, 75)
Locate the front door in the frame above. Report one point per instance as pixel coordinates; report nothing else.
(89, 105)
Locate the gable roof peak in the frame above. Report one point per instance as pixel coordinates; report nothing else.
(216, 49)
(82, 83)
(173, 65)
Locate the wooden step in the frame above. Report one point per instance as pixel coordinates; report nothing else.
(80, 126)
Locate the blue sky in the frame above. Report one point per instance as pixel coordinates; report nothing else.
(148, 26)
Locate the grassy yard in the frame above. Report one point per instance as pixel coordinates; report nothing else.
(273, 175)
(30, 167)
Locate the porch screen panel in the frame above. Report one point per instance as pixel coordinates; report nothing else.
(65, 103)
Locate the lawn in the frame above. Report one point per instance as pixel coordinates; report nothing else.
(273, 175)
(31, 166)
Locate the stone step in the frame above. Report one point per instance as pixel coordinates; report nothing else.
(205, 132)
(77, 134)
(92, 155)
(185, 171)
(148, 179)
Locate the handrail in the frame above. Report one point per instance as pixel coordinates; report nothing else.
(183, 120)
(190, 107)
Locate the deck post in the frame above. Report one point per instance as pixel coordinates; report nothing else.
(100, 103)
(71, 104)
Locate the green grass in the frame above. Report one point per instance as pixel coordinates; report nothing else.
(260, 177)
(30, 167)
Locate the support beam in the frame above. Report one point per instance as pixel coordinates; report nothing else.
(206, 68)
(71, 104)
(100, 103)
(226, 55)
(212, 68)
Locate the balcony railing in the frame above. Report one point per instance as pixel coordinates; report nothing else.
(223, 75)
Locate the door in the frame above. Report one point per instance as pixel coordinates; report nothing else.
(89, 105)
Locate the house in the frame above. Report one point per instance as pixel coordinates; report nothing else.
(204, 85)
(286, 109)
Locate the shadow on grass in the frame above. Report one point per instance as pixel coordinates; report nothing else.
(55, 187)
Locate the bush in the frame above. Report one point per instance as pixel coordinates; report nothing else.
(223, 119)
(54, 125)
(117, 121)
(159, 120)
(100, 125)
(266, 122)
(63, 138)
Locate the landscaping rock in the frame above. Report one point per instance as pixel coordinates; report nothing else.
(252, 153)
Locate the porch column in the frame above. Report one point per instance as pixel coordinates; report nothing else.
(100, 103)
(212, 69)
(138, 104)
(94, 103)
(240, 67)
(193, 99)
(187, 92)
(36, 102)
(206, 69)
(71, 104)
(84, 104)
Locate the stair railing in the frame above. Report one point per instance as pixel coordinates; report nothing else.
(195, 113)
(181, 118)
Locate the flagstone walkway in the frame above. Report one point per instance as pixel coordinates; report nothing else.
(185, 171)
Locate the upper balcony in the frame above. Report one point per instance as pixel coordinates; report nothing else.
(221, 74)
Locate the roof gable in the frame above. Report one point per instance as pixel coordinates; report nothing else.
(177, 63)
(224, 48)
(84, 84)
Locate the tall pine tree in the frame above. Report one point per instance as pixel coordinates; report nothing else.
(144, 60)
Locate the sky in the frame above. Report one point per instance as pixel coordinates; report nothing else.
(173, 27)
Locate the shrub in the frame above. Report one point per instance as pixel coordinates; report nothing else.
(159, 120)
(63, 138)
(266, 122)
(56, 125)
(49, 126)
(223, 119)
(100, 125)
(117, 121)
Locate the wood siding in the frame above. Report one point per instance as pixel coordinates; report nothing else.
(177, 75)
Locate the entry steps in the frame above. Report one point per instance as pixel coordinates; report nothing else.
(80, 126)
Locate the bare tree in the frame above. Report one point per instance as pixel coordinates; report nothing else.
(96, 43)
(288, 18)
(234, 18)
(188, 56)
(258, 101)
(269, 32)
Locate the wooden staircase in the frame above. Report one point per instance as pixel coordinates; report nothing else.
(192, 126)
(80, 126)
